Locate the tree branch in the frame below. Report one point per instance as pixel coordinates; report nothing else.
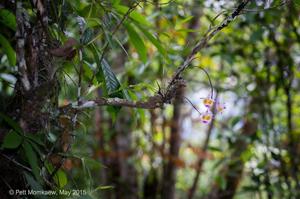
(151, 103)
(202, 43)
(175, 83)
(22, 25)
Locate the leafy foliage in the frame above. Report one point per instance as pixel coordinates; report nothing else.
(129, 50)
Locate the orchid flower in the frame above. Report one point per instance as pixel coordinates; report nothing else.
(208, 102)
(206, 117)
(220, 107)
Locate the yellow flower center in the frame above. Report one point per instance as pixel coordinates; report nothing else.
(206, 117)
(208, 102)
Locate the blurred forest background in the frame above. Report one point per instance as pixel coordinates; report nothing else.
(93, 98)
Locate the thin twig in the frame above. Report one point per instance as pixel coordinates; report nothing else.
(209, 79)
(192, 105)
(202, 43)
(80, 76)
(176, 82)
(131, 9)
(16, 163)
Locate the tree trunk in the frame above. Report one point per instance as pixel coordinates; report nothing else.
(128, 187)
(169, 168)
(100, 151)
(232, 172)
(119, 159)
(36, 89)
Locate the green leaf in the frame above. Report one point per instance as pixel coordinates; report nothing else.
(137, 42)
(12, 140)
(219, 163)
(98, 72)
(93, 88)
(86, 172)
(92, 163)
(32, 182)
(60, 178)
(154, 41)
(213, 148)
(116, 2)
(9, 51)
(36, 138)
(187, 19)
(107, 76)
(8, 19)
(220, 180)
(246, 155)
(111, 81)
(34, 185)
(110, 40)
(102, 188)
(49, 167)
(32, 159)
(87, 70)
(121, 45)
(133, 15)
(11, 123)
(86, 36)
(93, 22)
(36, 147)
(235, 120)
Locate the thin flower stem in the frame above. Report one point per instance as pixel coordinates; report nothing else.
(209, 79)
(192, 105)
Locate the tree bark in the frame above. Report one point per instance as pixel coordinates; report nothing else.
(36, 89)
